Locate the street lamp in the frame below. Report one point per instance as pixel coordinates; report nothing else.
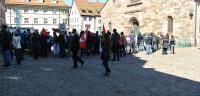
(191, 15)
(195, 32)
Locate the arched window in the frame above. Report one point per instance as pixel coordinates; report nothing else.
(110, 26)
(170, 24)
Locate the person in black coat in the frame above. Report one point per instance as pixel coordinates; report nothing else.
(6, 46)
(44, 45)
(105, 56)
(75, 49)
(115, 45)
(36, 44)
(62, 45)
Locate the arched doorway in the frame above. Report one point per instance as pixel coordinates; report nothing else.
(170, 24)
(135, 25)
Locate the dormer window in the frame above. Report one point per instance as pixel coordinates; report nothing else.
(84, 11)
(40, 1)
(54, 1)
(26, 1)
(90, 11)
(134, 3)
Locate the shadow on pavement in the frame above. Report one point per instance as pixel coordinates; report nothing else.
(128, 78)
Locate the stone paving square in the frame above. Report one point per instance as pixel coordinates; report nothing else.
(139, 75)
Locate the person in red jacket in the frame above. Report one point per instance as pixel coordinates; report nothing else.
(122, 45)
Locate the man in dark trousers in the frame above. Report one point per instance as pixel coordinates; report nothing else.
(6, 46)
(36, 44)
(115, 44)
(75, 49)
(61, 42)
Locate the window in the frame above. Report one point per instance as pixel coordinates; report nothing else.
(25, 10)
(54, 1)
(90, 18)
(54, 11)
(135, 1)
(15, 10)
(84, 11)
(90, 11)
(110, 26)
(199, 24)
(45, 10)
(63, 12)
(45, 21)
(99, 21)
(40, 1)
(54, 21)
(84, 19)
(65, 21)
(16, 20)
(77, 19)
(170, 24)
(87, 25)
(35, 10)
(26, 1)
(35, 20)
(26, 20)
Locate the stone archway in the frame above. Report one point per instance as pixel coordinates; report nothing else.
(134, 25)
(134, 21)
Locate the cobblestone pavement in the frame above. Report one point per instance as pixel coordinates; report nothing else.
(139, 75)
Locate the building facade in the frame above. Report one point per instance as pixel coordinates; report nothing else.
(37, 14)
(178, 17)
(2, 12)
(85, 14)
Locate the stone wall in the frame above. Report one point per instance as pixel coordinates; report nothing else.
(152, 16)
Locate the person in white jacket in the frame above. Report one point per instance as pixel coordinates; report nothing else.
(17, 47)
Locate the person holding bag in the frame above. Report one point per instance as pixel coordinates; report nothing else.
(17, 47)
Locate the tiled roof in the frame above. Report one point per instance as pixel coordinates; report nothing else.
(89, 8)
(46, 3)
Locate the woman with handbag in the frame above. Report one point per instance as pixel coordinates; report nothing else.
(17, 47)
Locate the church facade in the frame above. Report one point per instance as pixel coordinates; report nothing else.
(178, 17)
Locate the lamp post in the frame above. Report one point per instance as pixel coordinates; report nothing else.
(195, 32)
(197, 2)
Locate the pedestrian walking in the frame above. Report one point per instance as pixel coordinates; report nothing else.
(165, 44)
(61, 42)
(75, 50)
(83, 43)
(6, 46)
(36, 44)
(105, 56)
(17, 47)
(139, 42)
(122, 45)
(132, 43)
(172, 44)
(115, 45)
(56, 48)
(149, 44)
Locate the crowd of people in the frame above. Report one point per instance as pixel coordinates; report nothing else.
(71, 44)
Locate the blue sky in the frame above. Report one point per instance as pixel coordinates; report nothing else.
(70, 1)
